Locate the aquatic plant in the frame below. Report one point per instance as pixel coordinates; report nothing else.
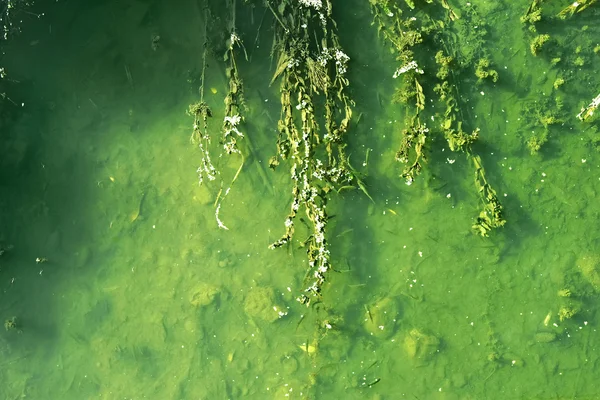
(310, 66)
(406, 28)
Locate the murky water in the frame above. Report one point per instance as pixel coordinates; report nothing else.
(137, 294)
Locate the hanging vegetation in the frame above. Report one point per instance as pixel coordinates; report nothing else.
(310, 68)
(404, 26)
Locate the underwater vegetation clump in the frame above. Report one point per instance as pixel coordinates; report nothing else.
(440, 52)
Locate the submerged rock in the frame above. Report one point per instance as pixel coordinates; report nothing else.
(260, 303)
(589, 266)
(421, 347)
(381, 317)
(545, 337)
(203, 294)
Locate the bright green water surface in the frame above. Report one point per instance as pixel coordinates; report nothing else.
(143, 297)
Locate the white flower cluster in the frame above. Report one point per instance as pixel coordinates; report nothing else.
(230, 124)
(289, 222)
(280, 313)
(301, 105)
(341, 59)
(589, 110)
(324, 57)
(316, 4)
(407, 67)
(206, 167)
(294, 62)
(233, 120)
(319, 171)
(233, 39)
(5, 18)
(335, 174)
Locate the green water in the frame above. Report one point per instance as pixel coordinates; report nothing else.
(143, 297)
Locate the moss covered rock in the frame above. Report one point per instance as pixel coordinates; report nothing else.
(381, 317)
(420, 346)
(203, 294)
(589, 266)
(260, 303)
